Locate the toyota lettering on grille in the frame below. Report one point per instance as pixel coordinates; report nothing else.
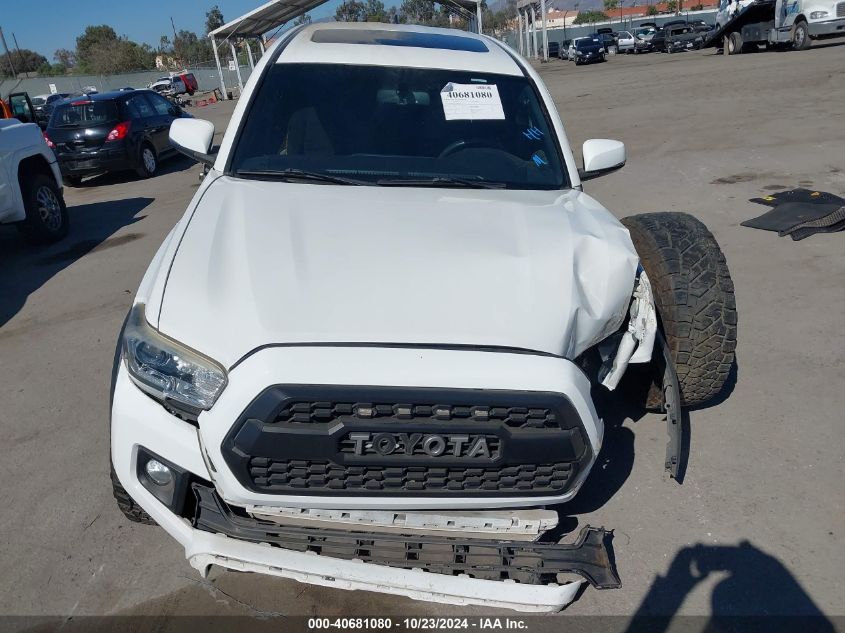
(455, 445)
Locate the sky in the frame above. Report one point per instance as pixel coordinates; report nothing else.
(47, 25)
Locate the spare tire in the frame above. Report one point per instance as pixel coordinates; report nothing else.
(694, 296)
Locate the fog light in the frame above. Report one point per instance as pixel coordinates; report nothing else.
(158, 472)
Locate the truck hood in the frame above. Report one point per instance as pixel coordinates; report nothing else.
(264, 263)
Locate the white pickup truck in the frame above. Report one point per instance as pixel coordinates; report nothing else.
(30, 183)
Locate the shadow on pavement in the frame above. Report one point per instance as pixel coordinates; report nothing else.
(754, 584)
(615, 460)
(25, 268)
(169, 165)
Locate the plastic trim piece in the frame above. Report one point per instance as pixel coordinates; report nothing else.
(672, 407)
(528, 562)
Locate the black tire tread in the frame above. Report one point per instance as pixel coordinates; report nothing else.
(694, 295)
(31, 227)
(127, 505)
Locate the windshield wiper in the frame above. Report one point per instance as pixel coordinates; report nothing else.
(297, 174)
(440, 181)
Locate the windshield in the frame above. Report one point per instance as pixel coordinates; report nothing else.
(383, 125)
(38, 101)
(83, 114)
(589, 43)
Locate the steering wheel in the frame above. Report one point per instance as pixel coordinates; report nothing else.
(463, 144)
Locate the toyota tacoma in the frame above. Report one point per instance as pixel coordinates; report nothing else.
(369, 354)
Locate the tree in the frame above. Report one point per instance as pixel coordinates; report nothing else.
(671, 6)
(100, 50)
(213, 19)
(417, 11)
(65, 57)
(610, 5)
(375, 11)
(305, 18)
(23, 60)
(588, 17)
(92, 43)
(51, 69)
(192, 49)
(351, 11)
(652, 10)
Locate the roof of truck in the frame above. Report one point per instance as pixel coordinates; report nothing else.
(403, 45)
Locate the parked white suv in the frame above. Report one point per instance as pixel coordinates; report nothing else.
(370, 354)
(30, 183)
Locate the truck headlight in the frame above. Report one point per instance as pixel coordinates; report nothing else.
(168, 371)
(818, 15)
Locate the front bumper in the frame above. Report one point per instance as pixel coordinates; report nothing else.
(827, 28)
(135, 414)
(222, 538)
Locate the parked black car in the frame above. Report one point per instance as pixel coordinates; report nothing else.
(681, 37)
(44, 104)
(658, 40)
(588, 50)
(112, 131)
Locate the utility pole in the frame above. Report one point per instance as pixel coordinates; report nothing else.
(175, 39)
(20, 55)
(8, 55)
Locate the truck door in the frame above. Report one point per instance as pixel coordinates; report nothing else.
(785, 13)
(21, 107)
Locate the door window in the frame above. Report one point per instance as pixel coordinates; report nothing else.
(141, 106)
(160, 104)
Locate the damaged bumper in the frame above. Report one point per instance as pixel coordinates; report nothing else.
(516, 575)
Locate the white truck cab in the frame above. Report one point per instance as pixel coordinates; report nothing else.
(384, 318)
(744, 25)
(30, 183)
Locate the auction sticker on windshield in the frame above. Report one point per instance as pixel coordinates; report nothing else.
(463, 102)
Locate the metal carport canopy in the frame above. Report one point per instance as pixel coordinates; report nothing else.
(254, 25)
(265, 18)
(277, 13)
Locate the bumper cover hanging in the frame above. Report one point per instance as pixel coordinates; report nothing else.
(487, 560)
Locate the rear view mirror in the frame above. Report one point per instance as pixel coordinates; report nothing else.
(193, 138)
(601, 156)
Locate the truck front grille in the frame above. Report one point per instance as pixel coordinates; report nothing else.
(305, 412)
(840, 10)
(409, 442)
(302, 476)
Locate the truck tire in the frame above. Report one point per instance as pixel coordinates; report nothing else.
(735, 43)
(46, 214)
(694, 296)
(127, 505)
(801, 36)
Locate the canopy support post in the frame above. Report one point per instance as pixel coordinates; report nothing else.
(237, 64)
(219, 68)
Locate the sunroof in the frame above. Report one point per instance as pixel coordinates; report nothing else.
(399, 38)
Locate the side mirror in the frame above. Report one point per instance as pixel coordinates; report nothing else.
(601, 156)
(193, 138)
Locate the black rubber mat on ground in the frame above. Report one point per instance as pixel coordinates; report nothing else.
(800, 213)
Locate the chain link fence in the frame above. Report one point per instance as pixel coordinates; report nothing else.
(207, 78)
